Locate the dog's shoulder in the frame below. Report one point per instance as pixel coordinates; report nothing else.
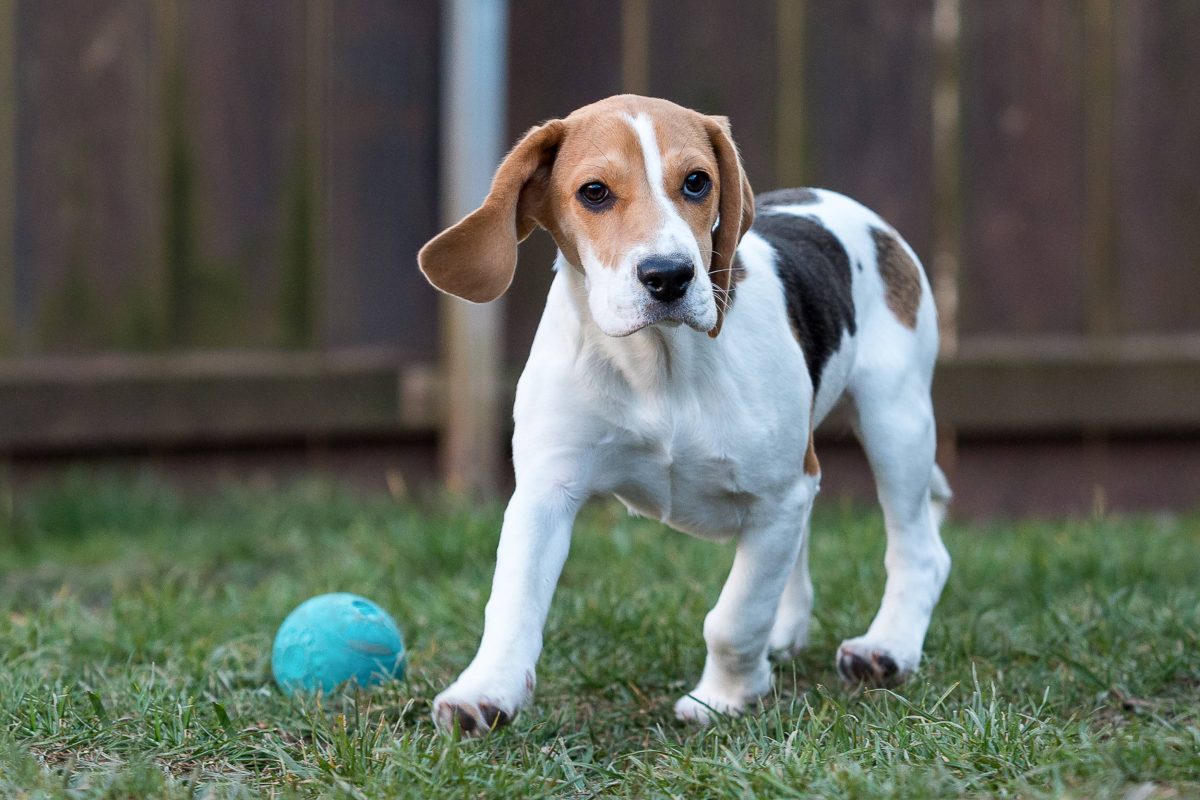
(814, 270)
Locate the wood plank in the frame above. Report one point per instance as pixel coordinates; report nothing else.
(382, 157)
(719, 58)
(87, 229)
(1100, 216)
(635, 46)
(791, 115)
(244, 109)
(944, 263)
(869, 99)
(1023, 168)
(8, 168)
(1157, 165)
(1146, 384)
(210, 399)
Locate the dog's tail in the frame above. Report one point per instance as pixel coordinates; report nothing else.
(939, 494)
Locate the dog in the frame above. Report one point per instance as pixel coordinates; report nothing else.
(693, 337)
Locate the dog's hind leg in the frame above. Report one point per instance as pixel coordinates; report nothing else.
(895, 424)
(789, 634)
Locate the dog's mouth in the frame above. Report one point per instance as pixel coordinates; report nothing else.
(666, 315)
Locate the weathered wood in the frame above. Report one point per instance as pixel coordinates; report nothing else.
(944, 262)
(997, 387)
(718, 57)
(8, 168)
(86, 225)
(1023, 168)
(1147, 384)
(1157, 158)
(243, 68)
(869, 104)
(635, 46)
(790, 103)
(1100, 223)
(211, 399)
(381, 200)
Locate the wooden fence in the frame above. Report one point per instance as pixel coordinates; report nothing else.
(210, 209)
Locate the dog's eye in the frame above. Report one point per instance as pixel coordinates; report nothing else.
(696, 185)
(594, 194)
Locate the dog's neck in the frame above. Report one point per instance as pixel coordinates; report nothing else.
(651, 359)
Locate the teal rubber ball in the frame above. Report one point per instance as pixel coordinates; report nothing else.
(334, 638)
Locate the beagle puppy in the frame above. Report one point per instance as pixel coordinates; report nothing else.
(693, 337)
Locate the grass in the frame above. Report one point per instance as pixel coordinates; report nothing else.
(135, 630)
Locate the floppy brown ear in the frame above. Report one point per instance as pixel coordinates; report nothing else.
(476, 258)
(735, 207)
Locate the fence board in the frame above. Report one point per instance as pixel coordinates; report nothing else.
(541, 34)
(1023, 118)
(719, 58)
(243, 105)
(996, 389)
(87, 225)
(872, 137)
(8, 167)
(1157, 141)
(210, 399)
(382, 154)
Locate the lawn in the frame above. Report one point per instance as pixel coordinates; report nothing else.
(135, 631)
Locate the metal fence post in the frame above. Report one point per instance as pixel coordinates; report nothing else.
(474, 62)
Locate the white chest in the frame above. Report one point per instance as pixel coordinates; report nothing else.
(700, 473)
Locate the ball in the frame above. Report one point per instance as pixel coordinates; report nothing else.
(334, 638)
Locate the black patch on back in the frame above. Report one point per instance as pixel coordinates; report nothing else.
(787, 197)
(815, 272)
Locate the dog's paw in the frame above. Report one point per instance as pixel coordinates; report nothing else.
(704, 704)
(472, 718)
(478, 711)
(862, 661)
(697, 710)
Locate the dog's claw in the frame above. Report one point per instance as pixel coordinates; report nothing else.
(494, 717)
(877, 669)
(471, 720)
(465, 720)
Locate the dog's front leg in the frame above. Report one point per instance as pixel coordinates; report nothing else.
(499, 681)
(738, 629)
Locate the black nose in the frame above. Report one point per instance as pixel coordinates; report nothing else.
(666, 278)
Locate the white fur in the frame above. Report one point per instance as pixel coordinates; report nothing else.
(709, 436)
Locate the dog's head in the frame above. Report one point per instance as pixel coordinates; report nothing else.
(647, 198)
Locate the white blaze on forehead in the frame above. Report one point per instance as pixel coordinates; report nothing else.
(643, 126)
(675, 235)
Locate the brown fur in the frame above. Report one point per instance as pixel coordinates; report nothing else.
(900, 276)
(538, 181)
(476, 258)
(812, 467)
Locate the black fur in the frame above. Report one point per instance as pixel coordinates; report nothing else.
(815, 272)
(786, 197)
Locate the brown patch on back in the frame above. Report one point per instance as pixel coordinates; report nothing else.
(901, 277)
